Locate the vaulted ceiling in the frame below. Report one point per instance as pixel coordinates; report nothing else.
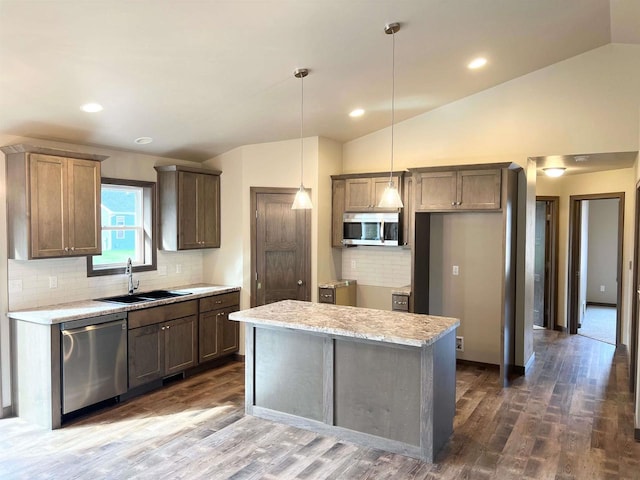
(203, 77)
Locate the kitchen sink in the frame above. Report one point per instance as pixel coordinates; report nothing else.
(143, 297)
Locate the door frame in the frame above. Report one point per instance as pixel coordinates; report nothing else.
(551, 254)
(574, 257)
(633, 362)
(253, 194)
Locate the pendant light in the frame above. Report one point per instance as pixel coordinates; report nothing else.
(391, 196)
(302, 200)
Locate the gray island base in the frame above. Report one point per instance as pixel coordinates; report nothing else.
(379, 379)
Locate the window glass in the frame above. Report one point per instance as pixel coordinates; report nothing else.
(127, 227)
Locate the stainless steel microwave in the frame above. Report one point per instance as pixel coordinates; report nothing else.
(371, 228)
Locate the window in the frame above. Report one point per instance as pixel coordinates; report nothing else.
(128, 226)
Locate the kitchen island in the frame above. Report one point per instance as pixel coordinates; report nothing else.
(376, 378)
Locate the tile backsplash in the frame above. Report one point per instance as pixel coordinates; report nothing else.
(30, 281)
(378, 266)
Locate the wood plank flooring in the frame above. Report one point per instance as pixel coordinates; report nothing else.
(571, 417)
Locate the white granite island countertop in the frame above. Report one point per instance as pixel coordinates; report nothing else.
(63, 312)
(365, 323)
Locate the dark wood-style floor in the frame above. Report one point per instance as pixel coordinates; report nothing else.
(570, 417)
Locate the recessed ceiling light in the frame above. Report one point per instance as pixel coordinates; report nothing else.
(143, 140)
(477, 63)
(91, 107)
(358, 112)
(554, 171)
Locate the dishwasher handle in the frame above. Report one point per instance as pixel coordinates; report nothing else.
(88, 328)
(84, 322)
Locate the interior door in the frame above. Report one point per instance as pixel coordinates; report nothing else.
(539, 265)
(282, 239)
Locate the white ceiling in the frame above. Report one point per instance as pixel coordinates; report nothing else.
(203, 77)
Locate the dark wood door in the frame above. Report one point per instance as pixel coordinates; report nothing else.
(180, 344)
(146, 355)
(539, 265)
(282, 240)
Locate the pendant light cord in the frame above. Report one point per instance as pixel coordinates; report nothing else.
(301, 130)
(393, 97)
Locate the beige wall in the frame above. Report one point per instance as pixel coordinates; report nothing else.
(275, 164)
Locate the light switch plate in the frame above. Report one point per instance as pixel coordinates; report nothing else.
(53, 282)
(456, 270)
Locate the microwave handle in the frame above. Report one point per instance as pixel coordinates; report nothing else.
(382, 231)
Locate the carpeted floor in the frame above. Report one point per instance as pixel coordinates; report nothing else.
(599, 323)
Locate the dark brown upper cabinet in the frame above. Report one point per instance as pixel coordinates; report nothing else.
(189, 207)
(53, 202)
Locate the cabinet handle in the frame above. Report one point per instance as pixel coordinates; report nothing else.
(453, 204)
(326, 295)
(162, 328)
(168, 327)
(218, 302)
(396, 302)
(73, 249)
(66, 249)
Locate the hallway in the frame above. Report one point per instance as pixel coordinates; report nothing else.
(599, 323)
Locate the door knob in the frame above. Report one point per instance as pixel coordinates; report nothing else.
(300, 282)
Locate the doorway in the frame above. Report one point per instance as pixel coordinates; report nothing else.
(280, 247)
(596, 224)
(635, 303)
(546, 262)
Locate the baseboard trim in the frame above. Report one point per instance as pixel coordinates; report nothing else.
(601, 304)
(636, 434)
(238, 358)
(522, 370)
(490, 366)
(560, 328)
(7, 412)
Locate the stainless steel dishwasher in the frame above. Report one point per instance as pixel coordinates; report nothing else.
(94, 360)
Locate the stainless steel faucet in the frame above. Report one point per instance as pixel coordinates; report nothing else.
(129, 271)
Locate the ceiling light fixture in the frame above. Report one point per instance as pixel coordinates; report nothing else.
(391, 196)
(143, 140)
(91, 107)
(302, 200)
(477, 63)
(554, 171)
(358, 112)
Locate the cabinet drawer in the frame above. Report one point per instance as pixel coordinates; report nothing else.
(400, 303)
(219, 301)
(149, 316)
(326, 295)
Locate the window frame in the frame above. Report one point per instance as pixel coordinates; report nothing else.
(149, 213)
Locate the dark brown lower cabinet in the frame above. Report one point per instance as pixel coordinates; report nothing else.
(218, 336)
(162, 349)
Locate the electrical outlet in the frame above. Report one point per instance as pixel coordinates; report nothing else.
(353, 264)
(178, 268)
(53, 282)
(602, 288)
(460, 344)
(456, 270)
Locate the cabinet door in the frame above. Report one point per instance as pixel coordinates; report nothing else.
(229, 332)
(357, 194)
(209, 211)
(180, 344)
(337, 211)
(436, 191)
(84, 229)
(408, 213)
(48, 206)
(479, 189)
(187, 210)
(378, 186)
(146, 355)
(208, 343)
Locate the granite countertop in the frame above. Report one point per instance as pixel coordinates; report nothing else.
(337, 283)
(378, 325)
(63, 312)
(406, 290)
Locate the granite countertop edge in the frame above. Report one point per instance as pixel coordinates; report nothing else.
(64, 312)
(380, 325)
(406, 290)
(337, 283)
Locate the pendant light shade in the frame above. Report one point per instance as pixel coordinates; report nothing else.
(302, 200)
(391, 196)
